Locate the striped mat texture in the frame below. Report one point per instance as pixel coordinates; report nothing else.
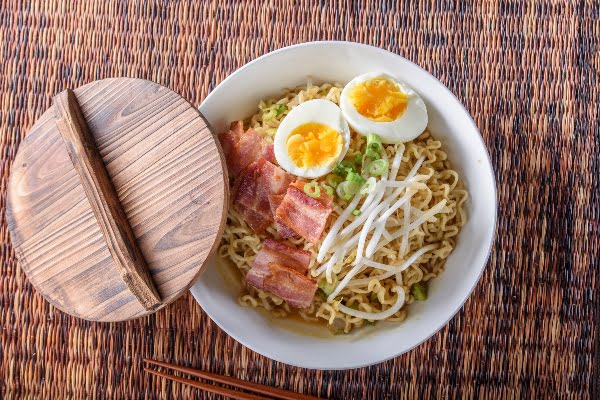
(528, 71)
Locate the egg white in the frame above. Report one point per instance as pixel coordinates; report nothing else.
(320, 111)
(408, 126)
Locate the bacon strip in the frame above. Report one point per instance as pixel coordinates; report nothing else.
(259, 180)
(273, 178)
(246, 195)
(243, 148)
(284, 231)
(276, 252)
(305, 215)
(290, 285)
(281, 270)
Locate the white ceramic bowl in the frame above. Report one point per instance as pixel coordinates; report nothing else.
(237, 96)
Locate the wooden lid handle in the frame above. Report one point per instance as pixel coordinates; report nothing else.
(104, 200)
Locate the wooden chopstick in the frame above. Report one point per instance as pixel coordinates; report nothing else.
(205, 386)
(226, 380)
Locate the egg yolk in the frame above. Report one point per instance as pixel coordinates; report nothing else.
(314, 144)
(379, 100)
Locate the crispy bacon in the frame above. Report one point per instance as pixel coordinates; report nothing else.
(284, 231)
(246, 196)
(253, 188)
(243, 148)
(275, 179)
(280, 253)
(281, 270)
(305, 215)
(292, 286)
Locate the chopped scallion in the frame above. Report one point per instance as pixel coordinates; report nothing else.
(345, 190)
(369, 186)
(273, 111)
(280, 109)
(343, 168)
(327, 287)
(419, 291)
(374, 142)
(348, 165)
(355, 178)
(356, 213)
(328, 189)
(312, 189)
(334, 180)
(372, 154)
(340, 170)
(377, 167)
(358, 159)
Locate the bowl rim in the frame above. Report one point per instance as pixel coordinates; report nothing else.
(265, 352)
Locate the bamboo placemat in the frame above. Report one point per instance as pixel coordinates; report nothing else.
(528, 72)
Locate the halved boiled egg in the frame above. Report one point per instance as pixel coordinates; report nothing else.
(381, 104)
(312, 138)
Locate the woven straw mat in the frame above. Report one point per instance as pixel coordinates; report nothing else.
(526, 71)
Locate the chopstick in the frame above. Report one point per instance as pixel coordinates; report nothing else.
(226, 380)
(209, 388)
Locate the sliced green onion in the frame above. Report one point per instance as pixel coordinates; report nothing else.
(373, 297)
(269, 115)
(356, 213)
(369, 186)
(346, 190)
(327, 287)
(358, 159)
(273, 111)
(351, 185)
(365, 164)
(348, 165)
(419, 291)
(373, 137)
(328, 189)
(353, 306)
(377, 167)
(280, 109)
(372, 154)
(354, 177)
(343, 168)
(354, 186)
(374, 142)
(340, 170)
(334, 180)
(312, 189)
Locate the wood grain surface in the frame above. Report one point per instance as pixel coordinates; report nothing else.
(103, 199)
(527, 71)
(166, 169)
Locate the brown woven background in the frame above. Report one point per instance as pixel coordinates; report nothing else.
(528, 72)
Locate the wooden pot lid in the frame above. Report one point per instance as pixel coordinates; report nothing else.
(168, 172)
